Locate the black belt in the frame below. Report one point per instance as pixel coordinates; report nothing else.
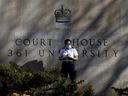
(68, 60)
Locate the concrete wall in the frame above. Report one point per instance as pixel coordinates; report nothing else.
(98, 30)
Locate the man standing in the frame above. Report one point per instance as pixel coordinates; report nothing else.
(68, 55)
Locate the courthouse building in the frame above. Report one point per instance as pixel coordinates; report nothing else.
(35, 30)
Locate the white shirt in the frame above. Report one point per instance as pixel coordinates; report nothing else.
(71, 52)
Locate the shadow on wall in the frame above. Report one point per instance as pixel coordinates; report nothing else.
(29, 17)
(34, 65)
(105, 25)
(120, 67)
(105, 33)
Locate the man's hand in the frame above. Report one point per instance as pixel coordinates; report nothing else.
(75, 58)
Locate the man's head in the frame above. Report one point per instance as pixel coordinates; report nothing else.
(67, 43)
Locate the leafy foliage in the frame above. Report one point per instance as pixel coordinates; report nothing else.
(89, 91)
(14, 79)
(121, 91)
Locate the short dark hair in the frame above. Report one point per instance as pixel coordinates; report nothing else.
(66, 40)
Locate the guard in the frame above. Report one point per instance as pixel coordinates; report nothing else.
(68, 55)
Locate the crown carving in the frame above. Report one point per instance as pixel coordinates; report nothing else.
(63, 15)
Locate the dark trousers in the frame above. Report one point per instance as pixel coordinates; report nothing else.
(68, 68)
